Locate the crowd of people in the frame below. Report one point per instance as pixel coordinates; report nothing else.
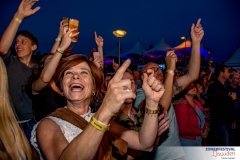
(69, 107)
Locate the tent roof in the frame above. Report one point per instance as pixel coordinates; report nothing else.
(114, 52)
(182, 45)
(160, 46)
(234, 60)
(136, 49)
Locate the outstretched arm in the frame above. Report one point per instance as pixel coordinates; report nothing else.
(59, 37)
(24, 10)
(171, 60)
(194, 64)
(50, 68)
(91, 137)
(99, 42)
(145, 138)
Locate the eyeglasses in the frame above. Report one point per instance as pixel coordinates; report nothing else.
(155, 69)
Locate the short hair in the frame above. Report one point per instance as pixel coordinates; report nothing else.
(219, 68)
(74, 60)
(28, 35)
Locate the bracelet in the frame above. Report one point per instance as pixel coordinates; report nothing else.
(149, 111)
(58, 39)
(170, 71)
(99, 125)
(17, 19)
(60, 50)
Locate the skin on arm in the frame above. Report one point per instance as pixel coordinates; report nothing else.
(171, 59)
(24, 10)
(194, 64)
(99, 43)
(50, 139)
(50, 68)
(90, 138)
(59, 37)
(144, 139)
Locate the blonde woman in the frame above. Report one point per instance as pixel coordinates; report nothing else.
(13, 143)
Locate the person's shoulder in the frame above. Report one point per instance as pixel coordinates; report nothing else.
(47, 123)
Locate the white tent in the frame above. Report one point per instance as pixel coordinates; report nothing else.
(160, 46)
(234, 60)
(136, 49)
(114, 52)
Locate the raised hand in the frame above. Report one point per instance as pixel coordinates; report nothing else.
(153, 88)
(171, 60)
(163, 124)
(197, 31)
(98, 40)
(118, 91)
(98, 62)
(115, 65)
(62, 29)
(66, 40)
(25, 8)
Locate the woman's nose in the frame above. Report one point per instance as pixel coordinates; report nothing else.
(76, 76)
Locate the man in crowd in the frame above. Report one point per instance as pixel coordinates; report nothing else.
(20, 67)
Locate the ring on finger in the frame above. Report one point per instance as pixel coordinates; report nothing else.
(126, 89)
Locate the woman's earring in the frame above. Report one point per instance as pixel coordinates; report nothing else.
(93, 93)
(62, 94)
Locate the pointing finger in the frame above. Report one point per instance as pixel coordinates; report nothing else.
(119, 74)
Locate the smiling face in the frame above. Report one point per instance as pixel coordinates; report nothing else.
(24, 46)
(77, 83)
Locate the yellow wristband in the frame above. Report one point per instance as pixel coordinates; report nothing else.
(58, 39)
(170, 71)
(59, 50)
(99, 125)
(17, 19)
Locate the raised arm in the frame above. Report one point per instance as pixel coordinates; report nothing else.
(145, 138)
(194, 64)
(171, 60)
(59, 37)
(24, 10)
(50, 68)
(91, 137)
(99, 43)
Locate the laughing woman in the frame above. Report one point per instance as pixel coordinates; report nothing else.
(58, 136)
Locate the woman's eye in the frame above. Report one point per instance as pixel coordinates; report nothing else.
(68, 72)
(84, 72)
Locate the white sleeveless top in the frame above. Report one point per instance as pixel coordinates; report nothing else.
(69, 130)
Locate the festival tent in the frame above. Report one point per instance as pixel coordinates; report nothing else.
(113, 54)
(181, 49)
(159, 49)
(136, 49)
(234, 60)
